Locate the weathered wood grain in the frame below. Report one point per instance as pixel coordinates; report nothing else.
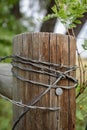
(71, 93)
(53, 48)
(6, 83)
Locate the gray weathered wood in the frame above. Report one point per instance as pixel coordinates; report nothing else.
(6, 80)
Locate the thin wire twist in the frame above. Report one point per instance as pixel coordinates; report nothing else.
(44, 68)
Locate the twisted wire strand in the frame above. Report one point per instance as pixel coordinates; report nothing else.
(20, 104)
(42, 84)
(44, 68)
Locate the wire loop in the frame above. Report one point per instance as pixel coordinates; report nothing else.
(58, 71)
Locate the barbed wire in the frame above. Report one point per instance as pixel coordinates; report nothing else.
(44, 68)
(22, 105)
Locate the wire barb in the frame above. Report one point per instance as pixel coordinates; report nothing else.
(44, 68)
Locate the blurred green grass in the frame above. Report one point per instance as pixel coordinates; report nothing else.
(81, 111)
(5, 115)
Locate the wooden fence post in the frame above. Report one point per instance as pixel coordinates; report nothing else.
(52, 48)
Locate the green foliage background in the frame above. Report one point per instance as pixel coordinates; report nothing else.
(81, 111)
(10, 26)
(5, 115)
(68, 12)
